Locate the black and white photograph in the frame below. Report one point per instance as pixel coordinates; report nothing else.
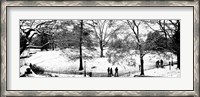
(100, 48)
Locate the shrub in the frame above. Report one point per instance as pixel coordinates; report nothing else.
(37, 69)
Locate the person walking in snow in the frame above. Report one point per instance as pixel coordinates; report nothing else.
(108, 70)
(161, 63)
(116, 72)
(111, 72)
(172, 63)
(157, 64)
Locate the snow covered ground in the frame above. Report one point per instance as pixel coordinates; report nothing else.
(167, 71)
(65, 63)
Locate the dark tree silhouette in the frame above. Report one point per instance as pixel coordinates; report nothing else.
(80, 45)
(25, 40)
(171, 31)
(26, 35)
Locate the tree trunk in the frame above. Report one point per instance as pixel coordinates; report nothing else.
(178, 60)
(53, 45)
(165, 35)
(101, 48)
(142, 65)
(178, 42)
(80, 46)
(42, 40)
(141, 61)
(24, 44)
(22, 49)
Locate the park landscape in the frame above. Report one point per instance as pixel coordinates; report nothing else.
(87, 48)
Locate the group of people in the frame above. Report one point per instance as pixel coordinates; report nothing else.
(110, 72)
(159, 63)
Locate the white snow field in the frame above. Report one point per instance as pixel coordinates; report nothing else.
(65, 63)
(167, 71)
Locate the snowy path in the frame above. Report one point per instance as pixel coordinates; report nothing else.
(161, 72)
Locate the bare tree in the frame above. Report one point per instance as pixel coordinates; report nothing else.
(28, 29)
(103, 29)
(134, 25)
(26, 34)
(171, 31)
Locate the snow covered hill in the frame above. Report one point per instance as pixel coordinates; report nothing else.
(66, 62)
